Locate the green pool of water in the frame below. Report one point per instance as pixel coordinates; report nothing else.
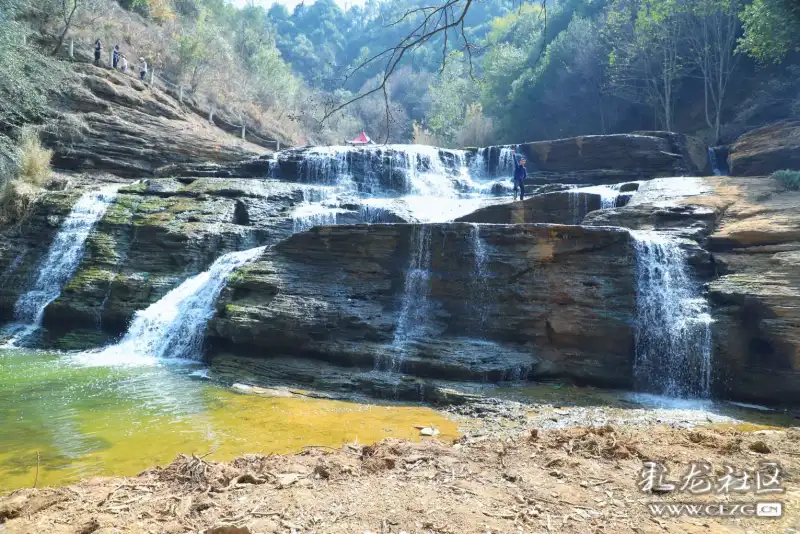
(89, 421)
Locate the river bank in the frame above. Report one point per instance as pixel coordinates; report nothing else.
(563, 480)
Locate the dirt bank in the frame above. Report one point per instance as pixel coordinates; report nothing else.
(567, 480)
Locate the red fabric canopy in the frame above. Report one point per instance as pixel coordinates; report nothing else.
(361, 139)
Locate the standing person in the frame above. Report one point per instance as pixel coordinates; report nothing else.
(115, 56)
(97, 48)
(142, 68)
(123, 66)
(520, 173)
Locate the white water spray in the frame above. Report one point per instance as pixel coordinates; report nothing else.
(673, 329)
(413, 316)
(61, 261)
(174, 327)
(480, 289)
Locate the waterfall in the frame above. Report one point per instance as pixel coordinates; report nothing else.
(61, 261)
(478, 166)
(718, 168)
(578, 205)
(307, 216)
(479, 289)
(414, 310)
(673, 326)
(506, 162)
(174, 327)
(325, 165)
(608, 194)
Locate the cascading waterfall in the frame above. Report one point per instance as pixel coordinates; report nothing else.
(325, 165)
(174, 327)
(479, 289)
(578, 205)
(673, 326)
(413, 316)
(506, 160)
(61, 261)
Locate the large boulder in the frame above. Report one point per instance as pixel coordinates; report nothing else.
(443, 301)
(604, 159)
(766, 150)
(557, 208)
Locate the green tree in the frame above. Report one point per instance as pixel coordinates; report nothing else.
(711, 31)
(200, 49)
(771, 29)
(451, 94)
(645, 59)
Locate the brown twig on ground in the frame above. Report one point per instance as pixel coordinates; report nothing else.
(36, 480)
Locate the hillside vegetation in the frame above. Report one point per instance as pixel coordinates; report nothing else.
(512, 71)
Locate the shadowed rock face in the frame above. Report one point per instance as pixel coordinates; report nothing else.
(607, 159)
(546, 300)
(556, 208)
(766, 150)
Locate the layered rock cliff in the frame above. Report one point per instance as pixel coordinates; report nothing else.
(449, 301)
(108, 121)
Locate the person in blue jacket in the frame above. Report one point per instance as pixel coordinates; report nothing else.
(520, 173)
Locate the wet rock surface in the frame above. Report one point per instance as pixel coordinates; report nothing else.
(766, 150)
(557, 208)
(553, 301)
(605, 159)
(156, 234)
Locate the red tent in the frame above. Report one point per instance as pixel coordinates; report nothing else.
(361, 139)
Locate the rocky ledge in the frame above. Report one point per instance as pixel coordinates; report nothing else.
(607, 159)
(749, 229)
(445, 301)
(108, 121)
(766, 150)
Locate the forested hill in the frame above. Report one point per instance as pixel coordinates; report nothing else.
(511, 72)
(559, 68)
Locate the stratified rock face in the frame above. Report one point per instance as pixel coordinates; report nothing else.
(606, 159)
(482, 302)
(107, 121)
(23, 246)
(156, 234)
(750, 230)
(556, 208)
(766, 150)
(757, 298)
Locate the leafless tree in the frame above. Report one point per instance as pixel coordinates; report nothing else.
(67, 10)
(712, 30)
(427, 22)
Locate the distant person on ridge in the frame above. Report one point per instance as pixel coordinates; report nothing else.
(519, 178)
(142, 68)
(97, 48)
(115, 56)
(123, 66)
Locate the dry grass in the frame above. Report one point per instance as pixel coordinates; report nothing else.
(32, 172)
(34, 159)
(16, 200)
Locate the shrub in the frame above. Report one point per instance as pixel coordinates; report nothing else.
(789, 179)
(16, 200)
(34, 159)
